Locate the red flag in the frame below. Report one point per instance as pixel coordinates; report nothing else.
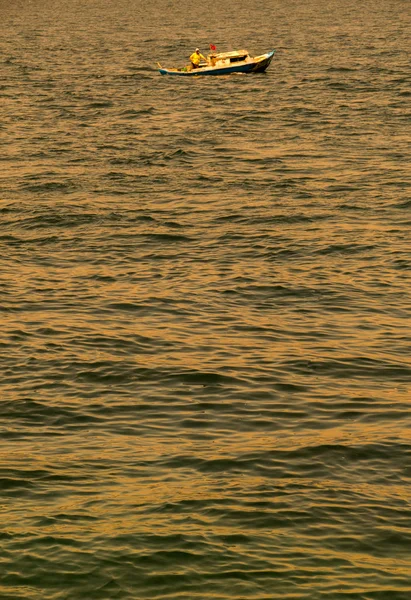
(213, 48)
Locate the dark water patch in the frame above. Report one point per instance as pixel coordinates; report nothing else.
(37, 241)
(173, 224)
(405, 204)
(291, 219)
(51, 186)
(47, 521)
(336, 85)
(168, 238)
(11, 239)
(205, 379)
(353, 207)
(121, 345)
(332, 452)
(133, 307)
(358, 367)
(341, 69)
(253, 117)
(272, 291)
(127, 161)
(14, 485)
(235, 218)
(179, 153)
(100, 104)
(8, 209)
(108, 373)
(133, 113)
(346, 249)
(48, 331)
(31, 412)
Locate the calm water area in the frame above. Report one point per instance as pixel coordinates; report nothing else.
(205, 342)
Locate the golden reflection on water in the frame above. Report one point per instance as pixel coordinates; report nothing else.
(205, 320)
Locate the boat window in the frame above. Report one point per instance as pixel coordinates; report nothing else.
(235, 59)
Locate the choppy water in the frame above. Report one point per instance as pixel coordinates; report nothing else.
(205, 303)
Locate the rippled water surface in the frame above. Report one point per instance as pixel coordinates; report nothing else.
(205, 303)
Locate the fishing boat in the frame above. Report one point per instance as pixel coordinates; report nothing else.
(224, 63)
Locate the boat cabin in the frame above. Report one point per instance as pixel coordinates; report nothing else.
(229, 58)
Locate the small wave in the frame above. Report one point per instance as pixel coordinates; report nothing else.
(100, 104)
(168, 238)
(345, 249)
(134, 113)
(204, 378)
(358, 367)
(50, 186)
(405, 204)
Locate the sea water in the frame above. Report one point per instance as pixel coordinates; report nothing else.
(205, 303)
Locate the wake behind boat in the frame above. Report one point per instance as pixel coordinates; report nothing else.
(223, 63)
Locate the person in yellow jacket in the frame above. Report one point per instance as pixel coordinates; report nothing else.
(196, 57)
